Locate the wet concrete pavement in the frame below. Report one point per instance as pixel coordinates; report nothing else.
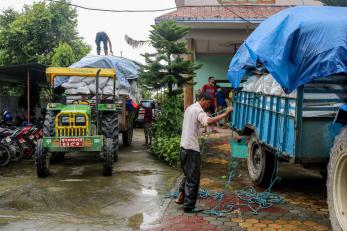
(77, 197)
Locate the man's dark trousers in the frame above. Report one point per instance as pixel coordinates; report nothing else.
(190, 161)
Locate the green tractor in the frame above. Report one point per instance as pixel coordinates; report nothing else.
(89, 124)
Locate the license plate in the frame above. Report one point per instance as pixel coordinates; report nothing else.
(8, 139)
(71, 142)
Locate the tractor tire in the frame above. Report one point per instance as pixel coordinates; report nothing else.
(109, 128)
(108, 157)
(337, 183)
(5, 156)
(128, 136)
(260, 163)
(42, 160)
(49, 124)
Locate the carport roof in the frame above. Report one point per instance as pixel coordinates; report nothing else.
(229, 13)
(18, 73)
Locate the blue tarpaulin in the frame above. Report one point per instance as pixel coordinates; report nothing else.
(125, 68)
(296, 45)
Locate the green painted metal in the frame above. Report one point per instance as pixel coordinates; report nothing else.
(91, 144)
(238, 150)
(213, 65)
(107, 107)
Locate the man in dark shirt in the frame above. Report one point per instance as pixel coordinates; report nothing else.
(103, 37)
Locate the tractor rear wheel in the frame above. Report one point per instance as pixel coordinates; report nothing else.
(337, 183)
(49, 124)
(108, 157)
(109, 128)
(260, 163)
(42, 160)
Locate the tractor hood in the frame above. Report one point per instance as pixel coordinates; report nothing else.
(76, 108)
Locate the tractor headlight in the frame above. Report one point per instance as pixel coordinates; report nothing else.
(80, 119)
(65, 120)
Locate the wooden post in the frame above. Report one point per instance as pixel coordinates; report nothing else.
(188, 88)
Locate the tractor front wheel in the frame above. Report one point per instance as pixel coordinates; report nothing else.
(41, 161)
(108, 157)
(109, 127)
(337, 183)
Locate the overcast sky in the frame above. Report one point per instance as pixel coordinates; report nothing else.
(116, 25)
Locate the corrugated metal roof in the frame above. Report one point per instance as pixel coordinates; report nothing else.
(222, 13)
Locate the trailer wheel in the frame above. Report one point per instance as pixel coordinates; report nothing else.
(42, 160)
(5, 156)
(260, 163)
(109, 128)
(128, 136)
(108, 157)
(337, 183)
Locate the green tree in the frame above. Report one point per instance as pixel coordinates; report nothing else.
(33, 34)
(63, 56)
(334, 2)
(166, 68)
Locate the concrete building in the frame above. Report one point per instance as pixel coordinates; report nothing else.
(219, 27)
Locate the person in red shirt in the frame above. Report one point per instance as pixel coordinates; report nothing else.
(148, 119)
(211, 89)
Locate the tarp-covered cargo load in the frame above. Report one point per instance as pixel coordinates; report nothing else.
(296, 45)
(126, 70)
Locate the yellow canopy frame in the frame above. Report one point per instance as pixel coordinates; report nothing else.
(52, 72)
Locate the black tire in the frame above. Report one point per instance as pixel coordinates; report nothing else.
(337, 183)
(5, 156)
(260, 163)
(108, 157)
(128, 136)
(49, 124)
(16, 151)
(41, 161)
(109, 128)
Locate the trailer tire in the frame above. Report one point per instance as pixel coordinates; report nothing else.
(336, 183)
(260, 163)
(41, 160)
(109, 128)
(128, 136)
(108, 157)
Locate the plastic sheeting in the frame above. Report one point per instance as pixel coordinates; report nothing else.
(296, 45)
(126, 70)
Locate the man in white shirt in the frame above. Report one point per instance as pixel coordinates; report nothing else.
(194, 116)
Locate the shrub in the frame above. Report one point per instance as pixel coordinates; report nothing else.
(168, 149)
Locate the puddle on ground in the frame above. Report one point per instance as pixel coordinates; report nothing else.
(149, 192)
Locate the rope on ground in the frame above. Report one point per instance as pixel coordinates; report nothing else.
(255, 201)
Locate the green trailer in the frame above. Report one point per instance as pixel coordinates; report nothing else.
(89, 124)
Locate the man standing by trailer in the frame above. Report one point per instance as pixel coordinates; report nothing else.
(103, 37)
(194, 116)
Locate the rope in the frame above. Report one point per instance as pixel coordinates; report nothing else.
(255, 201)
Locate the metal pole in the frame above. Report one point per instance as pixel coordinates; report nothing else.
(28, 96)
(97, 99)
